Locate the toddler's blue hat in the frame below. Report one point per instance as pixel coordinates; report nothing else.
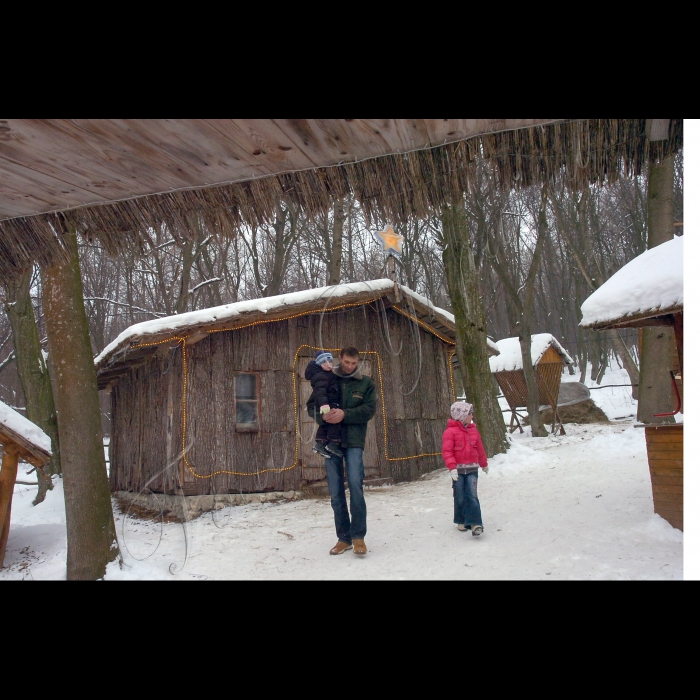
(323, 356)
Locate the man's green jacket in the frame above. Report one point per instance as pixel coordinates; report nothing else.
(359, 401)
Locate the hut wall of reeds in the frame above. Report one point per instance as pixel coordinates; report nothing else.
(242, 406)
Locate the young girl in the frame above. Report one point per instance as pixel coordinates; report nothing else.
(463, 453)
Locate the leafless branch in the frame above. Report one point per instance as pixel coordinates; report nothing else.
(7, 360)
(128, 306)
(202, 284)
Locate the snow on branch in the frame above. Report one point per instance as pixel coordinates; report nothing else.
(4, 342)
(201, 284)
(128, 306)
(204, 242)
(163, 245)
(7, 360)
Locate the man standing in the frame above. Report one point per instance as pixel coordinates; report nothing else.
(358, 404)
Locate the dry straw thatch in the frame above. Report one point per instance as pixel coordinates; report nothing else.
(395, 187)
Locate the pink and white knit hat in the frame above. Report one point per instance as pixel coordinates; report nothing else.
(459, 410)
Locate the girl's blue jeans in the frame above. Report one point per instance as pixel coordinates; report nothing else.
(467, 507)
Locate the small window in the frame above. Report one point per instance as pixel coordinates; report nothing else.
(247, 401)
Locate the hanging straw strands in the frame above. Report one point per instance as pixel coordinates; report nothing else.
(394, 187)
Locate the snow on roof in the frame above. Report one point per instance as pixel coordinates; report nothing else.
(645, 286)
(31, 432)
(229, 312)
(511, 358)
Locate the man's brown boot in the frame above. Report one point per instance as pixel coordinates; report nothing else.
(359, 547)
(340, 547)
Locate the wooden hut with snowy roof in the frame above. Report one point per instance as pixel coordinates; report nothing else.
(213, 401)
(648, 291)
(548, 359)
(20, 439)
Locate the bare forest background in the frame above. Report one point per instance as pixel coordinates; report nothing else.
(590, 235)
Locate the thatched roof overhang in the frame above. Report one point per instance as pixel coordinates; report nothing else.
(650, 318)
(118, 180)
(647, 291)
(139, 342)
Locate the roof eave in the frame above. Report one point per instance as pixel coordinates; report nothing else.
(659, 317)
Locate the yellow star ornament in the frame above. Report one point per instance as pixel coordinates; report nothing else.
(390, 241)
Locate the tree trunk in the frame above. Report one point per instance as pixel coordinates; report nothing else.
(656, 395)
(463, 285)
(603, 366)
(350, 258)
(627, 361)
(276, 275)
(188, 258)
(337, 243)
(91, 535)
(595, 356)
(33, 374)
(525, 326)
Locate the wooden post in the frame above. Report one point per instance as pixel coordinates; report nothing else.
(392, 274)
(8, 476)
(678, 329)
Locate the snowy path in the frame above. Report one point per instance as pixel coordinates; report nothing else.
(573, 507)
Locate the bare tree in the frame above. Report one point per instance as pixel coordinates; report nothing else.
(91, 536)
(463, 283)
(33, 372)
(655, 390)
(575, 215)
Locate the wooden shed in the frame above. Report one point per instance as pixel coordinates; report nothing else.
(648, 291)
(20, 439)
(213, 401)
(548, 360)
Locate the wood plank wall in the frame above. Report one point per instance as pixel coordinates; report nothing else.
(665, 454)
(146, 405)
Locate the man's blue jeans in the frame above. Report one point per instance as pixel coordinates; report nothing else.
(352, 526)
(467, 507)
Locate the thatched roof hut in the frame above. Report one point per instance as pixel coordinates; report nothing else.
(136, 175)
(176, 384)
(648, 291)
(548, 359)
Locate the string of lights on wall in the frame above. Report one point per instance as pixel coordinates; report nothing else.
(182, 341)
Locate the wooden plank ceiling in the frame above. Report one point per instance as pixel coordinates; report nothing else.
(57, 164)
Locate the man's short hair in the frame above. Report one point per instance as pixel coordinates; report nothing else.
(350, 351)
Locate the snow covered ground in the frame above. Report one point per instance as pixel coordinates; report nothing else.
(572, 507)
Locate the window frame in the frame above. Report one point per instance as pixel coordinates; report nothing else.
(246, 427)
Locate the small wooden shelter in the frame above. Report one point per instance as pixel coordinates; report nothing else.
(213, 401)
(548, 359)
(20, 439)
(648, 291)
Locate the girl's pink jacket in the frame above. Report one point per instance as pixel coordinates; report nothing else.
(462, 445)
